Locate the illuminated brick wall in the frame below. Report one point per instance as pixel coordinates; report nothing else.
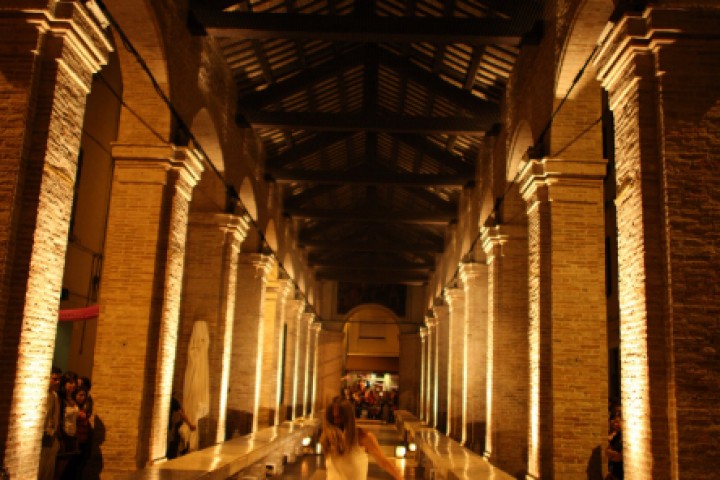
(455, 298)
(140, 301)
(409, 373)
(211, 268)
(506, 439)
(442, 361)
(47, 60)
(568, 321)
(246, 367)
(474, 279)
(329, 367)
(661, 72)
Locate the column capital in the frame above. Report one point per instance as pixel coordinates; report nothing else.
(423, 333)
(619, 60)
(308, 317)
(471, 272)
(454, 297)
(540, 178)
(135, 161)
(430, 322)
(70, 26)
(263, 264)
(492, 239)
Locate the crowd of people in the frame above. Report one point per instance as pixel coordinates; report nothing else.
(67, 430)
(372, 403)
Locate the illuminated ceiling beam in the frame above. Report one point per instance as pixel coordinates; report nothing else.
(351, 28)
(368, 177)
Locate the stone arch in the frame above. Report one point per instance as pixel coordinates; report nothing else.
(139, 23)
(271, 236)
(247, 197)
(576, 129)
(289, 265)
(522, 140)
(204, 131)
(382, 322)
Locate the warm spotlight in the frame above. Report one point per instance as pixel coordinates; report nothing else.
(412, 446)
(400, 451)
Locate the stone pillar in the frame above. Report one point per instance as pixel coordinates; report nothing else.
(284, 295)
(329, 367)
(474, 277)
(274, 303)
(423, 373)
(140, 300)
(662, 73)
(315, 329)
(431, 382)
(409, 372)
(568, 321)
(507, 403)
(442, 364)
(293, 314)
(243, 404)
(455, 298)
(47, 61)
(302, 364)
(211, 268)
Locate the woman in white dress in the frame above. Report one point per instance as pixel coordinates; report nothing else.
(346, 447)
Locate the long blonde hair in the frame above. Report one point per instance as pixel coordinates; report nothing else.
(338, 440)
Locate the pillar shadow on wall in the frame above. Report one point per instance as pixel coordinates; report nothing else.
(595, 463)
(94, 467)
(476, 437)
(237, 423)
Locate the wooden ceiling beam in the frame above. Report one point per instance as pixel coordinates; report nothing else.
(386, 122)
(373, 215)
(321, 141)
(368, 177)
(462, 98)
(369, 276)
(370, 246)
(442, 156)
(353, 28)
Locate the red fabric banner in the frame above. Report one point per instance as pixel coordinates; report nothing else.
(75, 314)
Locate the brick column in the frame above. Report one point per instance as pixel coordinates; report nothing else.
(431, 382)
(293, 313)
(662, 73)
(409, 372)
(47, 61)
(305, 389)
(474, 277)
(455, 298)
(301, 363)
(247, 347)
(329, 367)
(442, 363)
(423, 373)
(568, 321)
(507, 377)
(273, 343)
(315, 328)
(211, 268)
(140, 300)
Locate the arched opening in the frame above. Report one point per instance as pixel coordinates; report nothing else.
(372, 350)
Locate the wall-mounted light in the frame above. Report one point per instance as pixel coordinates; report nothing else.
(412, 446)
(400, 451)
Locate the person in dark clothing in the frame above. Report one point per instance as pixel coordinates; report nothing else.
(614, 449)
(177, 440)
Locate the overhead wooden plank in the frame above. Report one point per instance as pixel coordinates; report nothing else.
(372, 215)
(302, 80)
(462, 98)
(368, 177)
(370, 246)
(321, 141)
(353, 28)
(387, 122)
(370, 276)
(383, 265)
(432, 150)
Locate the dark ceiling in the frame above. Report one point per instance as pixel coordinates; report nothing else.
(371, 114)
